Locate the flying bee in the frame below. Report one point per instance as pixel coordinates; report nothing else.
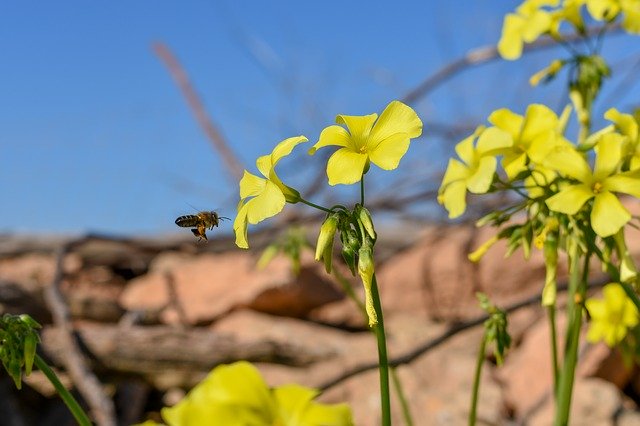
(200, 222)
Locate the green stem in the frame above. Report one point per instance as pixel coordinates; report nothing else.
(551, 312)
(577, 289)
(404, 404)
(383, 363)
(77, 411)
(362, 191)
(309, 203)
(476, 381)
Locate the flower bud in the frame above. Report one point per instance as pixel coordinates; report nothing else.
(30, 342)
(550, 247)
(364, 217)
(480, 251)
(366, 270)
(324, 247)
(350, 246)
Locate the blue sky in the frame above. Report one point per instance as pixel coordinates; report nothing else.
(95, 136)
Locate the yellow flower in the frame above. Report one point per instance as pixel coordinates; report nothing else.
(261, 198)
(525, 26)
(608, 10)
(612, 316)
(533, 135)
(236, 395)
(608, 215)
(382, 142)
(474, 172)
(627, 125)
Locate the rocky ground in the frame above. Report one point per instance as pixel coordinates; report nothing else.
(152, 317)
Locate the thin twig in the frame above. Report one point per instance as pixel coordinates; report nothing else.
(479, 56)
(83, 378)
(437, 341)
(214, 134)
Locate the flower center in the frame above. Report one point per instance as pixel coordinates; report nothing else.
(596, 187)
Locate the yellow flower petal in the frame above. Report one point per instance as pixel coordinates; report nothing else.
(510, 44)
(608, 155)
(514, 164)
(345, 167)
(456, 171)
(570, 199)
(492, 141)
(608, 214)
(538, 119)
(240, 225)
(251, 185)
(388, 153)
(396, 118)
(569, 162)
(465, 150)
(359, 127)
(268, 203)
(332, 135)
(625, 123)
(284, 148)
(453, 198)
(480, 181)
(508, 121)
(625, 183)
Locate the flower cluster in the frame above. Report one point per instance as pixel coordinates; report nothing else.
(550, 172)
(612, 316)
(534, 18)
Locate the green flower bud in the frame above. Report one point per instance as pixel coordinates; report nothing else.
(350, 246)
(364, 217)
(324, 247)
(366, 270)
(30, 343)
(290, 195)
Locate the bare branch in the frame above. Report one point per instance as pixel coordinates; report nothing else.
(85, 381)
(212, 131)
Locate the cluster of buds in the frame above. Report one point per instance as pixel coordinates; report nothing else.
(357, 236)
(18, 341)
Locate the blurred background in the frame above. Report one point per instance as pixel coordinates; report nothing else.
(95, 134)
(118, 117)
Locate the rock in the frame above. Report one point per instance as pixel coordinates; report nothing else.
(200, 289)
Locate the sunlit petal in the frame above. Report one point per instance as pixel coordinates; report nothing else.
(493, 140)
(388, 153)
(608, 155)
(251, 185)
(608, 214)
(454, 198)
(480, 181)
(345, 167)
(625, 123)
(240, 225)
(508, 121)
(396, 118)
(626, 183)
(538, 119)
(332, 135)
(510, 44)
(570, 199)
(569, 162)
(268, 203)
(285, 147)
(359, 126)
(455, 171)
(465, 150)
(514, 164)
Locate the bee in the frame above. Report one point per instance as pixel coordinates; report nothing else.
(200, 222)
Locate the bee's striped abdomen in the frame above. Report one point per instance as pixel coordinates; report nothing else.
(187, 221)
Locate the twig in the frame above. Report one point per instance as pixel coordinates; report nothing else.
(479, 56)
(85, 381)
(212, 131)
(437, 341)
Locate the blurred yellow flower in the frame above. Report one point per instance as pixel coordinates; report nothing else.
(627, 125)
(608, 10)
(608, 214)
(236, 395)
(261, 198)
(612, 316)
(382, 141)
(475, 169)
(533, 135)
(524, 26)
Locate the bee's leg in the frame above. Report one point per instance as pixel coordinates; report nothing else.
(202, 232)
